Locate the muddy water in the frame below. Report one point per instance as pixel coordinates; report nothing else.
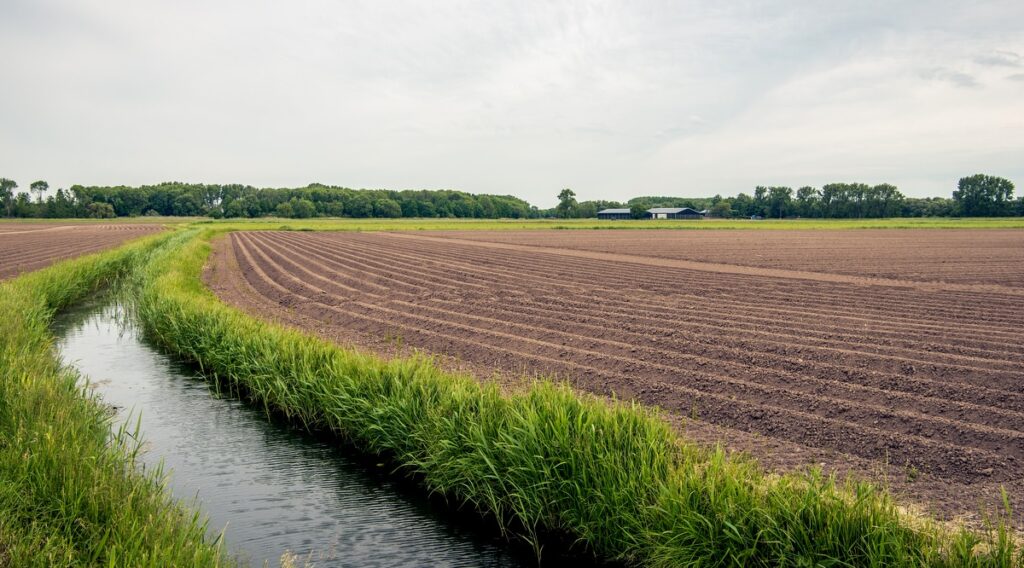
(274, 489)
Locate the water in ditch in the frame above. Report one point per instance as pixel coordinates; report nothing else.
(274, 488)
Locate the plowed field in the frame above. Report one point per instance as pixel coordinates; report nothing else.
(920, 380)
(970, 256)
(24, 248)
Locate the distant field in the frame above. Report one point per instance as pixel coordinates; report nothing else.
(25, 247)
(374, 224)
(966, 256)
(885, 363)
(143, 220)
(539, 224)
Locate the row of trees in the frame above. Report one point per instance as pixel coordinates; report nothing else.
(178, 199)
(978, 195)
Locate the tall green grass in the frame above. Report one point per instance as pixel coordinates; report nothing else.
(69, 492)
(614, 476)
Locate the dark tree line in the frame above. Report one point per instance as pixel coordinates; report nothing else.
(233, 201)
(978, 195)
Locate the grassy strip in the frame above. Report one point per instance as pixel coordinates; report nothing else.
(69, 492)
(646, 224)
(431, 224)
(613, 475)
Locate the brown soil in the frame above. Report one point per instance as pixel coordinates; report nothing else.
(28, 247)
(942, 255)
(916, 381)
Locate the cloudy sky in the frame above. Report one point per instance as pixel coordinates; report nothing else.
(612, 99)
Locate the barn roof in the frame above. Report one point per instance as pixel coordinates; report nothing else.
(656, 210)
(613, 211)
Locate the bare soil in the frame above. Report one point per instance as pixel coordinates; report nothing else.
(881, 373)
(940, 255)
(28, 247)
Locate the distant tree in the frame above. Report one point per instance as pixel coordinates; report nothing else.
(188, 204)
(566, 203)
(426, 209)
(586, 210)
(807, 199)
(284, 210)
(760, 206)
(23, 206)
(884, 200)
(100, 210)
(721, 210)
(60, 206)
(742, 205)
(302, 208)
(39, 188)
(332, 208)
(359, 206)
(387, 208)
(7, 187)
(235, 209)
(983, 195)
(779, 200)
(638, 210)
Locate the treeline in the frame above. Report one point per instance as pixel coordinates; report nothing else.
(978, 195)
(975, 196)
(232, 201)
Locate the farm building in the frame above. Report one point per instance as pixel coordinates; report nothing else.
(674, 213)
(614, 214)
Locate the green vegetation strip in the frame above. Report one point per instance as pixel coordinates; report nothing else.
(582, 224)
(70, 494)
(614, 476)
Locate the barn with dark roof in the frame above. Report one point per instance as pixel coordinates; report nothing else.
(614, 214)
(674, 213)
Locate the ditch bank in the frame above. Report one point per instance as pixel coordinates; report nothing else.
(268, 490)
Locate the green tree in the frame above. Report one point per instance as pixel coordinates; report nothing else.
(387, 208)
(760, 207)
(7, 187)
(23, 206)
(721, 209)
(586, 210)
(566, 203)
(188, 204)
(807, 199)
(302, 208)
(743, 205)
(39, 188)
(97, 210)
(779, 201)
(638, 210)
(982, 195)
(359, 206)
(284, 210)
(60, 206)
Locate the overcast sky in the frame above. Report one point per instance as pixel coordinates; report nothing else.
(612, 99)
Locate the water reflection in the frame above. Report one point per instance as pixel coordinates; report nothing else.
(275, 489)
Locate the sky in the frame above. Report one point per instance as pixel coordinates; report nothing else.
(611, 99)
